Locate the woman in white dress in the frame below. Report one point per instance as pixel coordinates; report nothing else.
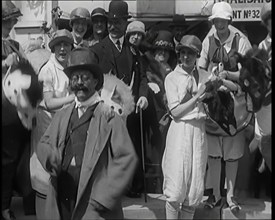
(185, 156)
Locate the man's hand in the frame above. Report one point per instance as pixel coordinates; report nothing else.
(142, 103)
(154, 87)
(53, 164)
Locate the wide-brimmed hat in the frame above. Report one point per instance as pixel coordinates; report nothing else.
(192, 42)
(62, 35)
(80, 13)
(135, 26)
(9, 11)
(118, 9)
(98, 12)
(221, 10)
(164, 40)
(84, 58)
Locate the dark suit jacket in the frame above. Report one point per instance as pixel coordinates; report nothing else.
(108, 164)
(122, 64)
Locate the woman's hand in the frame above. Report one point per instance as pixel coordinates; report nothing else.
(201, 90)
(201, 93)
(223, 74)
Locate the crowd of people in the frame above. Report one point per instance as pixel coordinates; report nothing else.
(83, 157)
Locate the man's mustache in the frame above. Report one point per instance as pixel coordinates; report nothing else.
(76, 88)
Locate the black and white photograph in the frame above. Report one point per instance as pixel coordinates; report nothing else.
(136, 109)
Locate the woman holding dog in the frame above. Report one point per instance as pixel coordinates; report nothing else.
(185, 156)
(219, 48)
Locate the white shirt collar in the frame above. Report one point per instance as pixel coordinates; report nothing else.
(229, 39)
(182, 71)
(121, 40)
(56, 62)
(89, 102)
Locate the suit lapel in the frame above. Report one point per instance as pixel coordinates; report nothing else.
(110, 50)
(64, 127)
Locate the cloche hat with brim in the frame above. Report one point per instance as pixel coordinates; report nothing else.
(59, 36)
(80, 13)
(84, 58)
(135, 26)
(164, 40)
(221, 10)
(9, 10)
(98, 12)
(192, 42)
(118, 9)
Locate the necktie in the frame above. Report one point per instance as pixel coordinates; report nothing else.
(80, 111)
(118, 45)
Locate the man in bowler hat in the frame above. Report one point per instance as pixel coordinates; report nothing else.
(86, 150)
(116, 56)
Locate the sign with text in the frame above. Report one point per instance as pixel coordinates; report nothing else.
(246, 10)
(243, 10)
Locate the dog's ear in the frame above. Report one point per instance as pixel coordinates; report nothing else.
(239, 58)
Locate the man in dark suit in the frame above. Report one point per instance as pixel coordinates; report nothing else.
(118, 57)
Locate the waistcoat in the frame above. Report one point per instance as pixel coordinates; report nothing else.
(74, 148)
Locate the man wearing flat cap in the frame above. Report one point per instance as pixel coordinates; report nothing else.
(87, 152)
(115, 56)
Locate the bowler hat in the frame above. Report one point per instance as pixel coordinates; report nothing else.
(59, 36)
(84, 58)
(98, 12)
(118, 9)
(9, 10)
(164, 40)
(192, 42)
(178, 21)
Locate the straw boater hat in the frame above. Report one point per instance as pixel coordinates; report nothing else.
(9, 11)
(118, 9)
(84, 58)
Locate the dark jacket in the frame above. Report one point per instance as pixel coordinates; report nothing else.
(122, 64)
